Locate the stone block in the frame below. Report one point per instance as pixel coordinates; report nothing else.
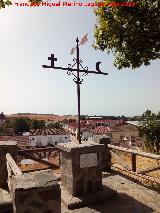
(6, 147)
(37, 192)
(106, 155)
(81, 167)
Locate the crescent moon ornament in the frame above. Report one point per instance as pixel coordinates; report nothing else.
(97, 66)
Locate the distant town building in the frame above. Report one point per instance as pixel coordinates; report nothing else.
(94, 117)
(88, 125)
(98, 133)
(123, 134)
(136, 123)
(46, 137)
(103, 122)
(130, 132)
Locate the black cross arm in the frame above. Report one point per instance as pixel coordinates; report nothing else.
(75, 70)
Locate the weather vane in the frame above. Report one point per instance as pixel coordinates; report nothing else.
(79, 70)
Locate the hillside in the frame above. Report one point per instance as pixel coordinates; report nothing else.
(45, 117)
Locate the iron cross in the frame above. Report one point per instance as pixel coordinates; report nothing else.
(77, 78)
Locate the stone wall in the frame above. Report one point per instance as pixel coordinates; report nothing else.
(6, 147)
(36, 192)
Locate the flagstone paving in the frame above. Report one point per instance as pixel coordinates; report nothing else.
(133, 198)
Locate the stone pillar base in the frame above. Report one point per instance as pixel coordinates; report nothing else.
(81, 174)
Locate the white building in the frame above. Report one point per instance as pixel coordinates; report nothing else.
(46, 137)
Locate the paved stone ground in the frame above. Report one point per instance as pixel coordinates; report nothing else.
(133, 198)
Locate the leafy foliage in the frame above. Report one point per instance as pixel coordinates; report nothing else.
(36, 124)
(6, 128)
(150, 130)
(131, 33)
(3, 4)
(56, 125)
(20, 125)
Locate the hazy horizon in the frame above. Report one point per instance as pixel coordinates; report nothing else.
(21, 113)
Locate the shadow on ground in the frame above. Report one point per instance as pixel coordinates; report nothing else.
(122, 204)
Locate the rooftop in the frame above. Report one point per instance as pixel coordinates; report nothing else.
(34, 132)
(128, 127)
(21, 140)
(100, 130)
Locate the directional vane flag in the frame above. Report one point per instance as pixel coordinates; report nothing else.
(72, 50)
(84, 40)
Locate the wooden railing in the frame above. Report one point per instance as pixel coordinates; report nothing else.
(35, 154)
(144, 154)
(38, 155)
(133, 154)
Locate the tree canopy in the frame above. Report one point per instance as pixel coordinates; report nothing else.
(150, 130)
(20, 125)
(131, 33)
(56, 125)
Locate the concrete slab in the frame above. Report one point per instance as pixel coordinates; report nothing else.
(72, 202)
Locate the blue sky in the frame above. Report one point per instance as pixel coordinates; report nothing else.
(29, 35)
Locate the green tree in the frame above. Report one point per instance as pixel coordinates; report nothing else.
(131, 33)
(3, 3)
(56, 125)
(22, 125)
(36, 124)
(150, 130)
(83, 117)
(7, 127)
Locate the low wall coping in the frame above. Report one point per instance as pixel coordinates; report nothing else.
(73, 146)
(37, 179)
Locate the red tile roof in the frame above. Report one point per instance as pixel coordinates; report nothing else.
(21, 140)
(99, 130)
(34, 132)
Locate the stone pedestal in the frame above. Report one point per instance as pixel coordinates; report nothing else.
(6, 147)
(106, 162)
(37, 192)
(81, 173)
